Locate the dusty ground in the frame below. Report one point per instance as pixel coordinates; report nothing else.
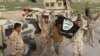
(16, 15)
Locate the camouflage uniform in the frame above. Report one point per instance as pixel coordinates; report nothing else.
(45, 40)
(16, 44)
(91, 18)
(78, 42)
(90, 32)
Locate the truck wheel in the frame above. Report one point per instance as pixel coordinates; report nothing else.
(4, 46)
(27, 50)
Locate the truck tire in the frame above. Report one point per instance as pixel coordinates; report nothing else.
(27, 50)
(4, 46)
(30, 46)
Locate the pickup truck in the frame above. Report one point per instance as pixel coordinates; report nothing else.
(6, 28)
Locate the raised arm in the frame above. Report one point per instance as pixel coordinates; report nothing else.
(97, 16)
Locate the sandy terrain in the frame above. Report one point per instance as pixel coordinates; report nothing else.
(16, 15)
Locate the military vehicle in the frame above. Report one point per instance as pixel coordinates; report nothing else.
(6, 28)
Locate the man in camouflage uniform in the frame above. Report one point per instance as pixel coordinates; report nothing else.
(16, 41)
(78, 38)
(45, 41)
(91, 19)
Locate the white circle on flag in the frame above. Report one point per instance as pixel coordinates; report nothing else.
(67, 24)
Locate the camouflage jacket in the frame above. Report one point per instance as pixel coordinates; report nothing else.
(16, 42)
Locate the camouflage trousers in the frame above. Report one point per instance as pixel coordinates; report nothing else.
(45, 45)
(90, 38)
(18, 53)
(77, 48)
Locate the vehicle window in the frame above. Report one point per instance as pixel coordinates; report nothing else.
(8, 31)
(24, 26)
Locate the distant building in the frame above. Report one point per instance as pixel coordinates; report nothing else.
(54, 4)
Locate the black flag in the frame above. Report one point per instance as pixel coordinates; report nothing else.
(68, 28)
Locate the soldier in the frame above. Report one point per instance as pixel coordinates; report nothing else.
(16, 41)
(78, 38)
(45, 36)
(91, 19)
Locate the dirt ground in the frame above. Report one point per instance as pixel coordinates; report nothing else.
(16, 15)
